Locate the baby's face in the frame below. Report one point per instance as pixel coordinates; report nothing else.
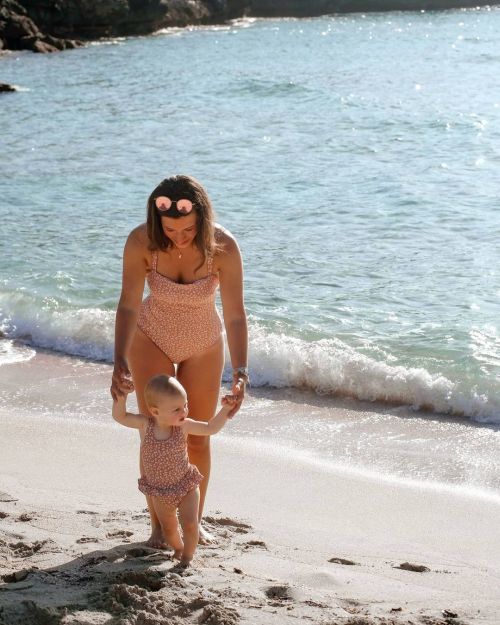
(172, 410)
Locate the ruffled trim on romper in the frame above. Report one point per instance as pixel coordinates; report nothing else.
(173, 494)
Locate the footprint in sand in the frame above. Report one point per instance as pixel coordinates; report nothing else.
(119, 534)
(3, 515)
(416, 568)
(87, 539)
(255, 543)
(113, 516)
(25, 517)
(342, 561)
(5, 497)
(237, 526)
(278, 594)
(23, 549)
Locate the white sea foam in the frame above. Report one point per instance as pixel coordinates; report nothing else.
(327, 366)
(330, 366)
(109, 41)
(11, 353)
(86, 332)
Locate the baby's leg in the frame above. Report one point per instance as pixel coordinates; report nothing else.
(167, 515)
(188, 513)
(156, 540)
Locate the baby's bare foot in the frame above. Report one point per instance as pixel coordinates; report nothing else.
(156, 540)
(205, 537)
(177, 554)
(183, 567)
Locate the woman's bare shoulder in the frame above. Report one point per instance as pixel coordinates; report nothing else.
(225, 239)
(138, 238)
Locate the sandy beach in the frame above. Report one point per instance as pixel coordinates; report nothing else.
(295, 540)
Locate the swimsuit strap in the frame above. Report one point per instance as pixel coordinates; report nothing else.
(211, 256)
(155, 259)
(149, 429)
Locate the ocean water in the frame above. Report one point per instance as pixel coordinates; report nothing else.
(354, 157)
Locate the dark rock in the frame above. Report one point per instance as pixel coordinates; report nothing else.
(71, 44)
(54, 41)
(35, 44)
(91, 19)
(18, 31)
(5, 88)
(17, 26)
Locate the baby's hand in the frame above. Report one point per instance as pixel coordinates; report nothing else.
(127, 388)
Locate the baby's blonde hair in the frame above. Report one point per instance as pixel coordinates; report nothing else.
(161, 384)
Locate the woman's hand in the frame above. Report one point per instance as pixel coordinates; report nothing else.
(238, 391)
(121, 382)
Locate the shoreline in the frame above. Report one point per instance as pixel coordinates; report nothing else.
(57, 27)
(317, 370)
(334, 433)
(71, 514)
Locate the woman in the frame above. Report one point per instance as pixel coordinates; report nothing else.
(184, 256)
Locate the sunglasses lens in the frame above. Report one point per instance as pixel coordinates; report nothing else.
(184, 206)
(163, 203)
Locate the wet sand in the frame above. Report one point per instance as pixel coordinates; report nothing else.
(296, 540)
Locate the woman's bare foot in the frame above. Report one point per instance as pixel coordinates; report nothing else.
(156, 539)
(205, 537)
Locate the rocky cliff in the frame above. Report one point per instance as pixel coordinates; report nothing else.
(49, 25)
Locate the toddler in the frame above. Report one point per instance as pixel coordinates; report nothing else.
(167, 475)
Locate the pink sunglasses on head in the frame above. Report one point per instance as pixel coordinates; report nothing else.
(164, 204)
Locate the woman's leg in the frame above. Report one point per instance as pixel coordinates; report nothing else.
(146, 360)
(188, 515)
(201, 377)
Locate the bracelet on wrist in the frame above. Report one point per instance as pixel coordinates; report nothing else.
(241, 373)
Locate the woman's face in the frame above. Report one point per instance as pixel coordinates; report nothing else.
(180, 231)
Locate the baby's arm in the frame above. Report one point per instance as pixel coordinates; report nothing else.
(121, 415)
(202, 428)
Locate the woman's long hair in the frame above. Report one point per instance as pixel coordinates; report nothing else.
(177, 188)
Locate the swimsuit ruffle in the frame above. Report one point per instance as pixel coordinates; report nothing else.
(172, 494)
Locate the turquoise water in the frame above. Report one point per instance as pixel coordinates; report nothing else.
(355, 158)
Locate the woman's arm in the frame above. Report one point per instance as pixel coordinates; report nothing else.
(134, 275)
(230, 268)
